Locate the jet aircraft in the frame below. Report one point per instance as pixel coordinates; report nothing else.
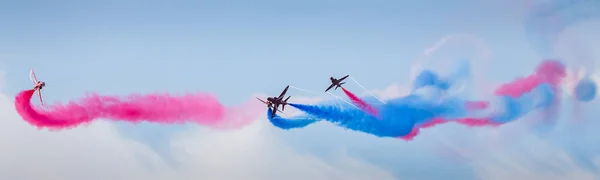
(336, 82)
(274, 102)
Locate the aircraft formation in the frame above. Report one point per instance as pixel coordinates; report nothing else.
(400, 117)
(274, 102)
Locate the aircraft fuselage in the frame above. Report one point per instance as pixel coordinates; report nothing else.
(275, 100)
(334, 81)
(39, 85)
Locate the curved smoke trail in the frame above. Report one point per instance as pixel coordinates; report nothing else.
(403, 117)
(157, 108)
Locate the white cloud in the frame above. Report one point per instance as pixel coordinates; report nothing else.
(535, 158)
(450, 49)
(393, 91)
(97, 151)
(514, 151)
(511, 151)
(255, 152)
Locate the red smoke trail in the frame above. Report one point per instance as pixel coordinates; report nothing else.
(471, 122)
(549, 71)
(360, 103)
(476, 105)
(157, 108)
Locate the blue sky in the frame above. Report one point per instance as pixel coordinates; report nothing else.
(237, 48)
(187, 46)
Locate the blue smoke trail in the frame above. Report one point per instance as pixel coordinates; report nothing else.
(284, 123)
(358, 120)
(398, 117)
(430, 78)
(541, 97)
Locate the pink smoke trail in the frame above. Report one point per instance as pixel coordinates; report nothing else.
(157, 108)
(360, 103)
(471, 122)
(476, 105)
(549, 71)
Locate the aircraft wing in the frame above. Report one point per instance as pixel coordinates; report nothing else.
(273, 114)
(284, 91)
(341, 79)
(274, 110)
(329, 87)
(267, 103)
(32, 76)
(262, 101)
(40, 95)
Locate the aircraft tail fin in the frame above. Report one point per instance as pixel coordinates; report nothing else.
(285, 103)
(340, 85)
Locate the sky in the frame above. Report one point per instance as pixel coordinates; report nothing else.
(237, 49)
